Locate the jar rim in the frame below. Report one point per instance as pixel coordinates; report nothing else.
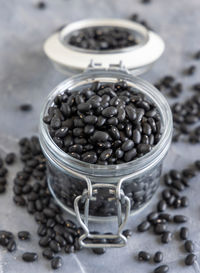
(59, 157)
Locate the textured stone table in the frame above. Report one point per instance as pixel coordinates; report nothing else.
(26, 75)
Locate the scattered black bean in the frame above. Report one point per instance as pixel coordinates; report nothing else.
(158, 257)
(144, 256)
(162, 269)
(144, 226)
(30, 256)
(189, 246)
(56, 262)
(184, 233)
(24, 235)
(180, 219)
(190, 259)
(166, 237)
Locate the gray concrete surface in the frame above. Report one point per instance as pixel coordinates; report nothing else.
(26, 75)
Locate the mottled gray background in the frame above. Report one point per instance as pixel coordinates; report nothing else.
(26, 75)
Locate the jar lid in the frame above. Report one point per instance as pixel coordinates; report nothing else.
(137, 58)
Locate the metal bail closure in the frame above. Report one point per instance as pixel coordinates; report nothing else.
(116, 194)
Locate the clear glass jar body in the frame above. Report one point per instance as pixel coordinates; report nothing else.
(138, 180)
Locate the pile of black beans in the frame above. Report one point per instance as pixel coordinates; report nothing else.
(57, 234)
(103, 38)
(110, 123)
(159, 221)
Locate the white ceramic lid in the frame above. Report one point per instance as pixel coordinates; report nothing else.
(136, 59)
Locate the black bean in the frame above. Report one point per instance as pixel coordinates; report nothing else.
(89, 157)
(127, 145)
(99, 251)
(106, 154)
(11, 246)
(100, 136)
(114, 132)
(152, 216)
(184, 233)
(162, 269)
(166, 237)
(55, 246)
(144, 256)
(90, 119)
(10, 158)
(62, 132)
(30, 256)
(158, 257)
(131, 112)
(130, 155)
(24, 235)
(109, 112)
(48, 254)
(180, 219)
(159, 228)
(143, 148)
(184, 201)
(60, 240)
(161, 206)
(69, 249)
(144, 226)
(189, 246)
(69, 238)
(42, 230)
(56, 262)
(190, 259)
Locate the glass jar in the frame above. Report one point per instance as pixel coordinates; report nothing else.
(98, 192)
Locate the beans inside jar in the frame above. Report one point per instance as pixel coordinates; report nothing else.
(104, 124)
(102, 38)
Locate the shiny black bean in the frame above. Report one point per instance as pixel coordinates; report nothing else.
(130, 155)
(166, 237)
(143, 148)
(161, 206)
(106, 154)
(127, 145)
(69, 249)
(180, 219)
(144, 256)
(160, 228)
(89, 157)
(109, 112)
(144, 226)
(24, 235)
(84, 107)
(55, 246)
(189, 246)
(162, 269)
(30, 257)
(56, 262)
(131, 113)
(100, 136)
(184, 233)
(48, 254)
(90, 119)
(158, 257)
(190, 259)
(114, 132)
(152, 216)
(11, 246)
